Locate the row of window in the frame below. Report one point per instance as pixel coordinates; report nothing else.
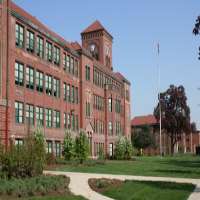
(52, 117)
(118, 128)
(71, 121)
(98, 102)
(50, 148)
(34, 79)
(87, 109)
(44, 49)
(117, 105)
(98, 126)
(100, 79)
(70, 93)
(98, 148)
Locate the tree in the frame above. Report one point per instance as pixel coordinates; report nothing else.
(68, 146)
(81, 147)
(143, 139)
(175, 113)
(196, 29)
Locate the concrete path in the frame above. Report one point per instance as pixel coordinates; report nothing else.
(79, 183)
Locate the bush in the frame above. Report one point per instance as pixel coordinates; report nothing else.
(68, 146)
(26, 160)
(50, 159)
(40, 185)
(81, 147)
(123, 149)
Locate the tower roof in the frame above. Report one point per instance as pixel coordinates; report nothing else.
(95, 26)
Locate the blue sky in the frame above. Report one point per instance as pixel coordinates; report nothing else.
(137, 26)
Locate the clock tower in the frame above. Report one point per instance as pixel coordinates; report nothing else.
(98, 41)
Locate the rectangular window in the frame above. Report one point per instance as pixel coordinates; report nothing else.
(76, 66)
(19, 142)
(49, 54)
(56, 55)
(117, 106)
(68, 121)
(65, 91)
(19, 112)
(30, 114)
(48, 84)
(56, 87)
(68, 64)
(76, 95)
(110, 128)
(48, 116)
(73, 121)
(72, 65)
(19, 35)
(64, 61)
(88, 109)
(49, 149)
(73, 95)
(110, 104)
(65, 120)
(68, 93)
(77, 123)
(87, 73)
(40, 116)
(30, 41)
(39, 81)
(30, 78)
(58, 149)
(127, 95)
(40, 47)
(19, 74)
(56, 119)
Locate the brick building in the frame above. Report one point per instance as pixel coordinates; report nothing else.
(49, 82)
(186, 144)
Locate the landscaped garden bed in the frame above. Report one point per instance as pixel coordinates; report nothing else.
(36, 188)
(141, 190)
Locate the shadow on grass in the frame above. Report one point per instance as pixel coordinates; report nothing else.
(166, 185)
(175, 171)
(182, 163)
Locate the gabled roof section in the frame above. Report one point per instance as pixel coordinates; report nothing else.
(120, 76)
(95, 26)
(144, 120)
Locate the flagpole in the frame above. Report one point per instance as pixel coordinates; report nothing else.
(160, 110)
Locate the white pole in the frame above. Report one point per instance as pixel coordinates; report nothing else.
(160, 121)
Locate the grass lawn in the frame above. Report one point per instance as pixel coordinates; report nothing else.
(141, 190)
(186, 166)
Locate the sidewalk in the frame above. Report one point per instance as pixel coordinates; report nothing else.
(79, 183)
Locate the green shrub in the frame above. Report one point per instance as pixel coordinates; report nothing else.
(123, 149)
(25, 160)
(50, 159)
(81, 147)
(68, 146)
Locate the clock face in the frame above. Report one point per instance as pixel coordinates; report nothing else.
(92, 47)
(94, 50)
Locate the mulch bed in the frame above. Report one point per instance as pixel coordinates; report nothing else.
(100, 185)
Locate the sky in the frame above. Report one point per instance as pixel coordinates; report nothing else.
(137, 26)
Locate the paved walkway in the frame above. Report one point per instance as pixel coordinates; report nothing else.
(79, 183)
